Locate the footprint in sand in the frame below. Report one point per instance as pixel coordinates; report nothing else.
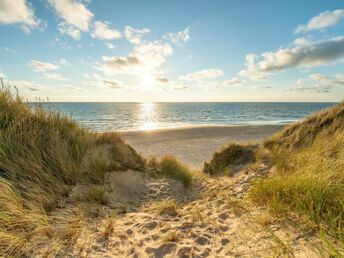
(162, 250)
(202, 240)
(184, 252)
(151, 225)
(224, 228)
(223, 216)
(225, 241)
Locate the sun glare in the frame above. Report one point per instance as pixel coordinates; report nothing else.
(147, 80)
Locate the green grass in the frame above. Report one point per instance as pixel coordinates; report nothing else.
(225, 160)
(169, 166)
(43, 155)
(309, 157)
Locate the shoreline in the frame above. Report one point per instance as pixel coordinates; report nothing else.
(195, 145)
(196, 126)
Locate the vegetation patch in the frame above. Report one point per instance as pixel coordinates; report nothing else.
(309, 157)
(227, 159)
(43, 156)
(168, 207)
(169, 166)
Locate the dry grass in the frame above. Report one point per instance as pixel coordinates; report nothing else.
(310, 162)
(169, 166)
(43, 155)
(167, 207)
(108, 228)
(226, 159)
(173, 236)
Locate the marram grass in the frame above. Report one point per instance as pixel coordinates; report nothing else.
(169, 166)
(43, 155)
(309, 158)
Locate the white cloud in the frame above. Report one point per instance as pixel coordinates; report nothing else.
(61, 43)
(69, 30)
(260, 87)
(303, 56)
(179, 37)
(73, 12)
(113, 84)
(180, 87)
(118, 64)
(153, 54)
(40, 66)
(73, 88)
(103, 31)
(204, 74)
(63, 61)
(100, 82)
(318, 83)
(302, 42)
(134, 35)
(162, 79)
(323, 20)
(109, 45)
(144, 58)
(27, 85)
(54, 77)
(18, 12)
(232, 82)
(76, 17)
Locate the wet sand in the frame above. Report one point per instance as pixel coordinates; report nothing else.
(197, 144)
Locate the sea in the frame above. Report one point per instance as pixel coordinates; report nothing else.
(148, 116)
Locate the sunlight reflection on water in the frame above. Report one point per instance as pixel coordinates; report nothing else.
(115, 116)
(148, 116)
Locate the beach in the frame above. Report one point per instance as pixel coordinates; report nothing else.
(195, 145)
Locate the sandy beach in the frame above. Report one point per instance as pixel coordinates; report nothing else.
(196, 144)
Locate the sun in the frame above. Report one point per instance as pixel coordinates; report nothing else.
(147, 80)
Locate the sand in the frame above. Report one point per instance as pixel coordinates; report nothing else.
(195, 145)
(214, 217)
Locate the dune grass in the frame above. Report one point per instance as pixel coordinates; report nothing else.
(43, 155)
(309, 157)
(169, 166)
(226, 159)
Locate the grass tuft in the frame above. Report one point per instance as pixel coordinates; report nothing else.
(169, 166)
(226, 159)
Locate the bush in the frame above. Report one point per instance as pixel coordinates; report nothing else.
(223, 161)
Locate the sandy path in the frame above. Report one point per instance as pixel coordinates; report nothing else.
(195, 145)
(211, 219)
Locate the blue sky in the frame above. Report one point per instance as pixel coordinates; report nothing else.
(74, 50)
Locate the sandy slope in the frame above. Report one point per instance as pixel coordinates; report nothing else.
(212, 219)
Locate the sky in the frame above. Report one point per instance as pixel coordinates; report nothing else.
(173, 51)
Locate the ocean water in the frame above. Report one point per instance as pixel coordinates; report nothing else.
(147, 116)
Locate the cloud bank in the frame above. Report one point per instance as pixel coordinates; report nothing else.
(303, 56)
